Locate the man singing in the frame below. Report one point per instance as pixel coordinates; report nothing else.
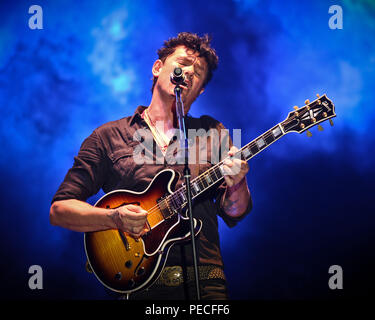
(105, 161)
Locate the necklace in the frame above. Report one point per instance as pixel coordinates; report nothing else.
(160, 138)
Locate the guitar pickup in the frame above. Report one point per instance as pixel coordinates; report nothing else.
(165, 207)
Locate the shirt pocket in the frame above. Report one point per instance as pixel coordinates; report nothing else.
(123, 162)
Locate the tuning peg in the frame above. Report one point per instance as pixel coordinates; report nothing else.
(331, 122)
(309, 134)
(317, 95)
(295, 108)
(307, 101)
(320, 128)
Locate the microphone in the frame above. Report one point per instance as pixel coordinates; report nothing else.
(177, 76)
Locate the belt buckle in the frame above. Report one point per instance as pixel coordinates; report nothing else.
(172, 276)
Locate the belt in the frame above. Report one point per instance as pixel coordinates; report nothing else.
(173, 276)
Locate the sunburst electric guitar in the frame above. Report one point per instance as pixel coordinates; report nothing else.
(124, 264)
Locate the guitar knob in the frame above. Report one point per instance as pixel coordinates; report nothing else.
(141, 271)
(128, 264)
(118, 276)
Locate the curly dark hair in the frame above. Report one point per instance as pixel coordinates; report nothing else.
(194, 42)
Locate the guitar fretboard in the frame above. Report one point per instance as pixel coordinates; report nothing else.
(177, 200)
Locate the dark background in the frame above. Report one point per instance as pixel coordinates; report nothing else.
(91, 63)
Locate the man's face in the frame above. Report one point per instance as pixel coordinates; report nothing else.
(195, 70)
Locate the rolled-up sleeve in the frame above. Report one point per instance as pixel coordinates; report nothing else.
(86, 177)
(229, 220)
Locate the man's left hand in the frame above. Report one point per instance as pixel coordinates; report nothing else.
(235, 169)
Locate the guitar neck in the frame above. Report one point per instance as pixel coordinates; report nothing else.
(300, 120)
(206, 180)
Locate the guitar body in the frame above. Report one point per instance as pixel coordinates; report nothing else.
(124, 264)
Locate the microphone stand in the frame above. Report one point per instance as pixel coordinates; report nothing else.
(184, 144)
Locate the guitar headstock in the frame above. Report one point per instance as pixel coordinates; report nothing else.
(311, 114)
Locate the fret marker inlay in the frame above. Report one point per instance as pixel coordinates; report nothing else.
(260, 143)
(276, 132)
(246, 152)
(195, 185)
(208, 179)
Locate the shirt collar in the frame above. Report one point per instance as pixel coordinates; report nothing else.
(137, 116)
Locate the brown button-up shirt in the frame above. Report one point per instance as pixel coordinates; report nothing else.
(107, 161)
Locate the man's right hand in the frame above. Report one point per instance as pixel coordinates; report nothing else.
(131, 219)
